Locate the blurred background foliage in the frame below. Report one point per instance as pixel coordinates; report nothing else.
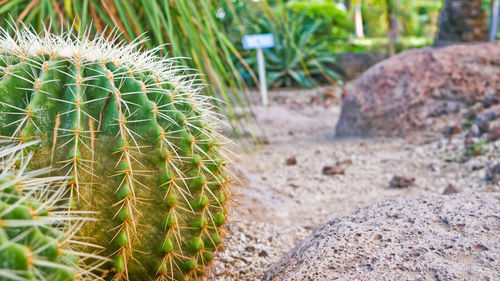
(310, 35)
(304, 35)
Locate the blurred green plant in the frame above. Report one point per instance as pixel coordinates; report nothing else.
(416, 18)
(303, 46)
(475, 149)
(335, 21)
(298, 58)
(190, 28)
(380, 44)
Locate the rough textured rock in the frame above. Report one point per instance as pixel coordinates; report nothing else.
(488, 115)
(493, 173)
(462, 21)
(440, 237)
(490, 100)
(398, 95)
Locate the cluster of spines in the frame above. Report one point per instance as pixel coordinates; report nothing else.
(204, 201)
(31, 247)
(189, 160)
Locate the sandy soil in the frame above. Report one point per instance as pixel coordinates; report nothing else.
(279, 204)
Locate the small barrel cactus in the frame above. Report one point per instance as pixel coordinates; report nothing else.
(137, 141)
(31, 247)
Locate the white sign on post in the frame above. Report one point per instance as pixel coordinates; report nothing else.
(260, 41)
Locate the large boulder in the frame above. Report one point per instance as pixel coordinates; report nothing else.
(440, 237)
(398, 95)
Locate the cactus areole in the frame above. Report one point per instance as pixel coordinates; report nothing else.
(137, 141)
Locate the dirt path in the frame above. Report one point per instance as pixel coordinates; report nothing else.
(280, 204)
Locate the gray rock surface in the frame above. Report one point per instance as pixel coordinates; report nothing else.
(439, 237)
(403, 93)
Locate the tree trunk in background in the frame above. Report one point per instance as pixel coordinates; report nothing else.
(392, 26)
(462, 21)
(347, 4)
(358, 21)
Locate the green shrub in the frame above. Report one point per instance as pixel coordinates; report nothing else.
(335, 21)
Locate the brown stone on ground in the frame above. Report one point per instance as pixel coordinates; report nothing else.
(450, 189)
(346, 162)
(292, 160)
(401, 181)
(451, 131)
(398, 95)
(336, 169)
(493, 173)
(439, 237)
(250, 248)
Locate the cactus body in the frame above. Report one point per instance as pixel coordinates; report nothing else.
(31, 247)
(137, 141)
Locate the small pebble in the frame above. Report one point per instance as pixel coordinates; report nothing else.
(450, 189)
(336, 169)
(292, 160)
(401, 181)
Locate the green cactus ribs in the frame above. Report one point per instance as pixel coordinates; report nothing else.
(137, 141)
(31, 247)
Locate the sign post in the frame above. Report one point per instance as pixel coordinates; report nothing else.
(494, 20)
(260, 41)
(262, 75)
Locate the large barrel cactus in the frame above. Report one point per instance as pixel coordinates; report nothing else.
(137, 141)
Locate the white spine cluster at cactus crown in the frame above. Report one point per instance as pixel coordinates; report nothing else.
(23, 42)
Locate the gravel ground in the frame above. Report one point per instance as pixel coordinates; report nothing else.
(278, 204)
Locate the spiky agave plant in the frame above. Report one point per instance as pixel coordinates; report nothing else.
(137, 140)
(31, 247)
